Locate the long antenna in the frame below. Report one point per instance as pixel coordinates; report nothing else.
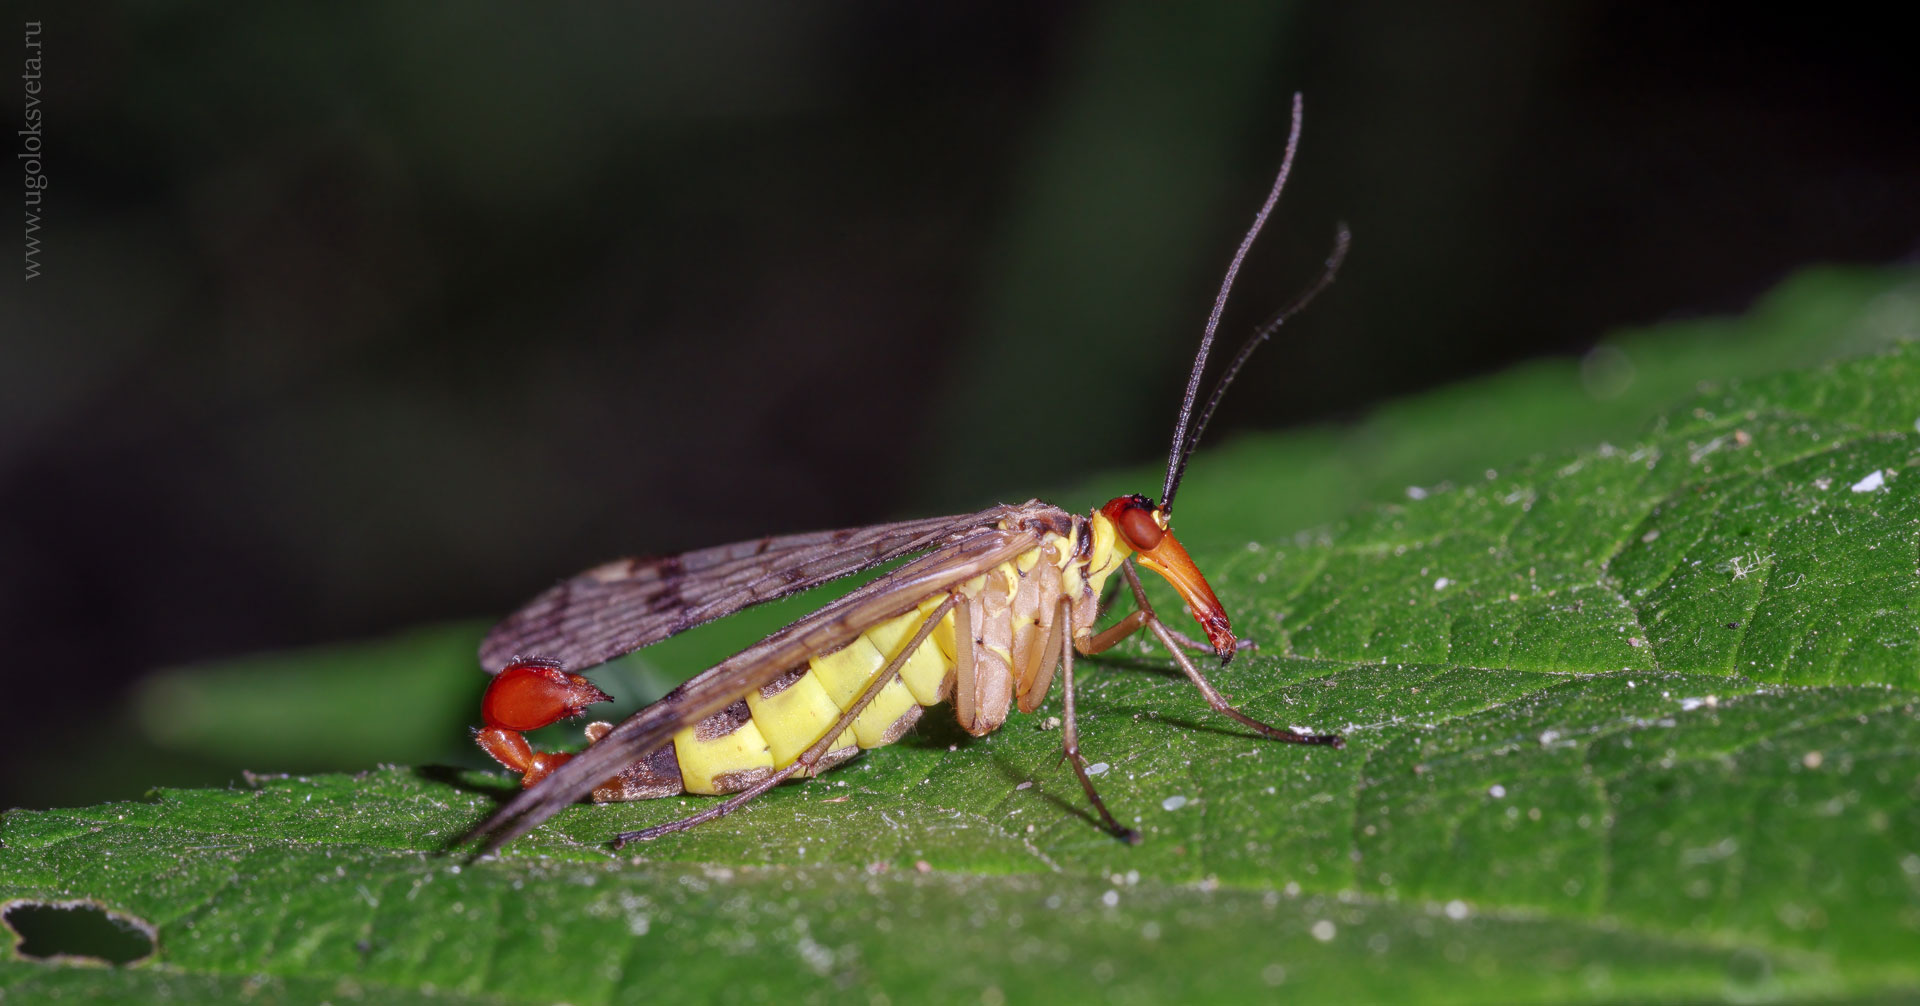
(1176, 457)
(1341, 239)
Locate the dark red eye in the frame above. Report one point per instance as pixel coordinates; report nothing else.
(1142, 532)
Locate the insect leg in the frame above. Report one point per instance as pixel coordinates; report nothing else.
(1145, 616)
(811, 756)
(1037, 678)
(1113, 634)
(1142, 613)
(733, 803)
(965, 697)
(1201, 645)
(1070, 736)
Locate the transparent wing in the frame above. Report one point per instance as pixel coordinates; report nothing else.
(619, 607)
(963, 556)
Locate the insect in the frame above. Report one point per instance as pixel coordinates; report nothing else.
(995, 603)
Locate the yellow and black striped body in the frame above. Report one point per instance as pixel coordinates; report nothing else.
(1001, 618)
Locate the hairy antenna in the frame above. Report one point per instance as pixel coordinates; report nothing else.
(1177, 455)
(1341, 239)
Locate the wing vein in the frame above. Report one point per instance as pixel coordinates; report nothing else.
(624, 605)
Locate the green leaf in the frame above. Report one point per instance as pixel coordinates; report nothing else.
(1636, 722)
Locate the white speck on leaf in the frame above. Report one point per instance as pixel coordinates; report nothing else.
(1497, 791)
(1441, 584)
(1872, 483)
(817, 957)
(1323, 930)
(1173, 803)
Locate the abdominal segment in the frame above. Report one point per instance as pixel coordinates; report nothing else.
(773, 725)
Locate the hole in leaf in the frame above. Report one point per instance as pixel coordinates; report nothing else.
(80, 931)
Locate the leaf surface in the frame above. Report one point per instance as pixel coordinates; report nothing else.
(1628, 723)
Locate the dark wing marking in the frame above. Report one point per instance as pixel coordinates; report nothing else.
(963, 557)
(621, 606)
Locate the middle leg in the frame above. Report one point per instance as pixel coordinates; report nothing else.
(1070, 732)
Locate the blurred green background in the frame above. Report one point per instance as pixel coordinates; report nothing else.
(362, 318)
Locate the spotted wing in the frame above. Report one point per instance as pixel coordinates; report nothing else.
(961, 557)
(629, 603)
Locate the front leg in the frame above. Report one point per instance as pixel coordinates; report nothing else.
(1144, 615)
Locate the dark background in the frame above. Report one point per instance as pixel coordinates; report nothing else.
(369, 315)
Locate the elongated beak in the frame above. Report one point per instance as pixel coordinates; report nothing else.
(1170, 560)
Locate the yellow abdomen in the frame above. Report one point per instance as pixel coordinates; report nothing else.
(726, 752)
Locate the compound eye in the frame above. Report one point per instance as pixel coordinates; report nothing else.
(1142, 531)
